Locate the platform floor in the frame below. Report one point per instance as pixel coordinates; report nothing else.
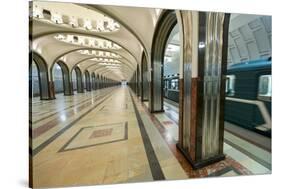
(108, 136)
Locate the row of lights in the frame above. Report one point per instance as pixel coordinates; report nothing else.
(108, 60)
(99, 53)
(108, 64)
(87, 41)
(105, 24)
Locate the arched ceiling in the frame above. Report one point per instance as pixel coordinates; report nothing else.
(77, 33)
(56, 26)
(249, 37)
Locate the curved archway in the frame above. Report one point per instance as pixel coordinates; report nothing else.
(144, 78)
(84, 34)
(101, 81)
(94, 85)
(34, 77)
(126, 62)
(42, 73)
(88, 81)
(57, 58)
(73, 80)
(67, 88)
(138, 81)
(164, 26)
(97, 81)
(79, 79)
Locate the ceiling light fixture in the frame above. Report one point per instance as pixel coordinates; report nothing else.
(95, 23)
(87, 41)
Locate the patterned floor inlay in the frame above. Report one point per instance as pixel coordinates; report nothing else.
(97, 135)
(226, 167)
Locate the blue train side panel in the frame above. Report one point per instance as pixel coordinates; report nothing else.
(244, 114)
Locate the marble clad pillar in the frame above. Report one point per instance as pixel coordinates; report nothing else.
(201, 123)
(51, 90)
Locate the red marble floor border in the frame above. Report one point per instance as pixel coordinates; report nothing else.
(199, 173)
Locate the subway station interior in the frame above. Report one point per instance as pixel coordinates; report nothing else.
(127, 94)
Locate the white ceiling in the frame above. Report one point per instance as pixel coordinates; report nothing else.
(133, 35)
(249, 37)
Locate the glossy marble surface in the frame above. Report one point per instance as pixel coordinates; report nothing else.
(96, 138)
(254, 158)
(97, 149)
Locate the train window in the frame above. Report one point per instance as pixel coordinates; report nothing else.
(175, 84)
(229, 85)
(265, 87)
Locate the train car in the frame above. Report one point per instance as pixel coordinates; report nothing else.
(248, 95)
(171, 87)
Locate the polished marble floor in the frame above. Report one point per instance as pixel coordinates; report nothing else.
(108, 136)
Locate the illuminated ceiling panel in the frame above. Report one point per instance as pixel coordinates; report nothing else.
(86, 41)
(59, 15)
(99, 53)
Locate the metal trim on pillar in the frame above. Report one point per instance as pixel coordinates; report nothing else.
(205, 59)
(144, 79)
(167, 21)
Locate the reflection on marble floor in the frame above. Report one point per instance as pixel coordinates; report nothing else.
(255, 159)
(108, 136)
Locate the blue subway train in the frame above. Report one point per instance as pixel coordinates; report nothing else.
(171, 87)
(247, 97)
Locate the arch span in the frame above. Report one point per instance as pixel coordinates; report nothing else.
(164, 26)
(42, 75)
(79, 79)
(88, 81)
(67, 84)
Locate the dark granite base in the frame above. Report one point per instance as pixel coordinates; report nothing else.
(203, 163)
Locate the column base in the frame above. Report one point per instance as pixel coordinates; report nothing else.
(202, 163)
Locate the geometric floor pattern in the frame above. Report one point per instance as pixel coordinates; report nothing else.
(97, 135)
